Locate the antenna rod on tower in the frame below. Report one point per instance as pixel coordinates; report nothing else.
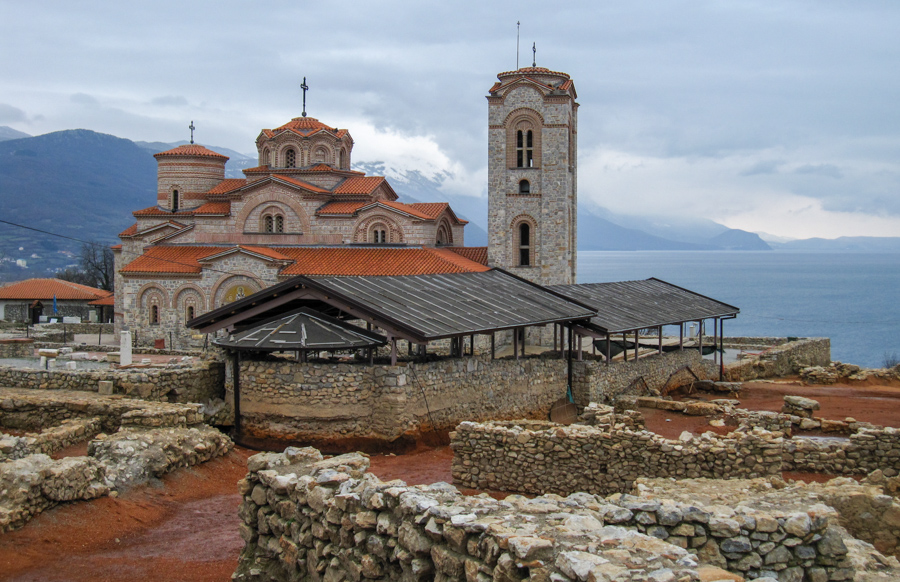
(518, 24)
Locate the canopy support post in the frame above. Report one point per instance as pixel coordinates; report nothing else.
(393, 351)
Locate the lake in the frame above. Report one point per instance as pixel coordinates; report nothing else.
(852, 298)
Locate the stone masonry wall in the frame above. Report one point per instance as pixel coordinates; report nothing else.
(308, 518)
(547, 458)
(785, 359)
(867, 450)
(200, 382)
(327, 401)
(17, 348)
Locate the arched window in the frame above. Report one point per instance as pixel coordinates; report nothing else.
(154, 314)
(524, 244)
(290, 158)
(279, 223)
(524, 148)
(268, 223)
(189, 313)
(524, 187)
(343, 159)
(272, 223)
(264, 158)
(174, 200)
(380, 235)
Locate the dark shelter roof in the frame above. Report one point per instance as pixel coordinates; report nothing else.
(302, 329)
(630, 305)
(421, 307)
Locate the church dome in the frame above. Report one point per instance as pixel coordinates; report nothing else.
(191, 150)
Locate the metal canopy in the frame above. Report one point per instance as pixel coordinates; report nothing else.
(632, 305)
(303, 329)
(419, 307)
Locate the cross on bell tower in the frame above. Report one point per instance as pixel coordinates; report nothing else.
(305, 87)
(192, 128)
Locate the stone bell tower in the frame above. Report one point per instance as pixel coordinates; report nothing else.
(532, 175)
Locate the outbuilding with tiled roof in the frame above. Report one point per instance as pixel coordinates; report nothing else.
(31, 299)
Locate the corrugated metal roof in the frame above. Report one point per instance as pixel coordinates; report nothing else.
(424, 307)
(629, 305)
(447, 305)
(303, 329)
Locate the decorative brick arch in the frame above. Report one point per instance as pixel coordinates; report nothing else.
(524, 120)
(281, 155)
(189, 288)
(362, 231)
(517, 246)
(264, 159)
(228, 281)
(264, 198)
(321, 152)
(149, 288)
(444, 233)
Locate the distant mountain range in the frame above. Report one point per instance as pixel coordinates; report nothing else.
(85, 185)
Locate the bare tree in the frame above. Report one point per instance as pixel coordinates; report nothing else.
(96, 267)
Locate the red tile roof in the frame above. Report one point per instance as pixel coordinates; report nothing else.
(305, 126)
(301, 183)
(320, 168)
(130, 231)
(431, 209)
(476, 254)
(264, 251)
(191, 150)
(228, 185)
(46, 289)
(213, 208)
(170, 259)
(257, 169)
(533, 71)
(343, 208)
(108, 300)
(116, 247)
(359, 185)
(407, 208)
(375, 261)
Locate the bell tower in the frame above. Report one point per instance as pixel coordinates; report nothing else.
(532, 175)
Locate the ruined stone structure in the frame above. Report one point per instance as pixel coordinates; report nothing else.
(532, 175)
(309, 518)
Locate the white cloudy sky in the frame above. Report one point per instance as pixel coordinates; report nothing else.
(779, 117)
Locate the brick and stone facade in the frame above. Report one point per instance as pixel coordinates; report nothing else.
(210, 240)
(532, 175)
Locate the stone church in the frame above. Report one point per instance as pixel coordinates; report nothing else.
(209, 240)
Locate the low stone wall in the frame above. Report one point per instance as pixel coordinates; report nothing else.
(867, 450)
(597, 382)
(200, 382)
(784, 359)
(35, 483)
(546, 458)
(35, 410)
(306, 518)
(17, 348)
(67, 433)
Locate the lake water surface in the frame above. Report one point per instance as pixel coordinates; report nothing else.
(852, 298)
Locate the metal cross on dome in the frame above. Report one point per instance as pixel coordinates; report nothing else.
(304, 86)
(192, 128)
(534, 50)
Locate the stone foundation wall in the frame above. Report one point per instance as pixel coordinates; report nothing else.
(785, 359)
(547, 458)
(17, 348)
(865, 451)
(67, 433)
(320, 401)
(40, 411)
(597, 382)
(326, 401)
(36, 482)
(308, 518)
(200, 382)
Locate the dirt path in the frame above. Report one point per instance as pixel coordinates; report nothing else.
(183, 527)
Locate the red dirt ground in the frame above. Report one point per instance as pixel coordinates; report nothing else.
(185, 526)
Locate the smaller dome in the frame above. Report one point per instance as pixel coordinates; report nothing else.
(192, 150)
(533, 71)
(305, 125)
